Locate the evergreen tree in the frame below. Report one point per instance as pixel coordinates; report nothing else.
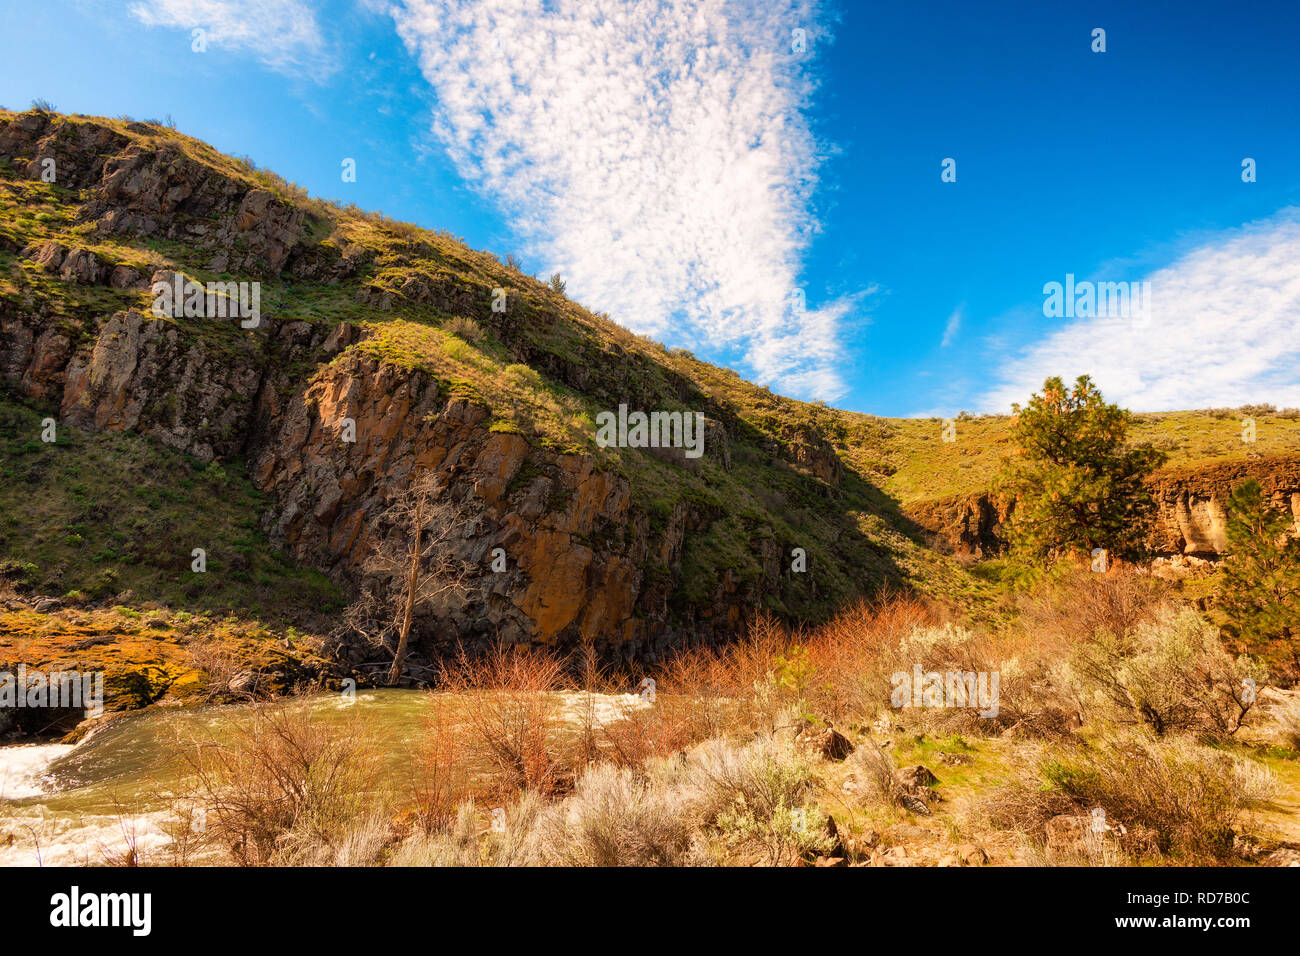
(1260, 590)
(1076, 483)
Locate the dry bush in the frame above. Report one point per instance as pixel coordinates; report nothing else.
(617, 817)
(644, 735)
(593, 678)
(1188, 795)
(876, 771)
(835, 672)
(1085, 602)
(764, 774)
(728, 689)
(956, 653)
(516, 843)
(464, 328)
(1288, 721)
(366, 842)
(439, 778)
(281, 785)
(510, 713)
(219, 663)
(751, 670)
(1169, 673)
(457, 845)
(849, 656)
(753, 796)
(700, 679)
(723, 800)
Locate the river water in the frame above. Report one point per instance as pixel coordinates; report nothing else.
(83, 804)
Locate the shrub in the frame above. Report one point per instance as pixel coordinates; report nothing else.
(1081, 603)
(1169, 674)
(524, 375)
(439, 781)
(280, 785)
(459, 845)
(698, 681)
(1190, 796)
(643, 735)
(617, 817)
(753, 795)
(783, 837)
(464, 328)
(510, 712)
(876, 771)
(763, 775)
(1288, 719)
(1010, 673)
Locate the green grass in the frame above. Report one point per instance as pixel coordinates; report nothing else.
(116, 517)
(923, 467)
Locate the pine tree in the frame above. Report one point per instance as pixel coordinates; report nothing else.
(1077, 485)
(1260, 589)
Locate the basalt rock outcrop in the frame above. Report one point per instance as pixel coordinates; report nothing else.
(1191, 517)
(586, 559)
(574, 548)
(577, 549)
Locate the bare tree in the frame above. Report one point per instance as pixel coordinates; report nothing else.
(412, 565)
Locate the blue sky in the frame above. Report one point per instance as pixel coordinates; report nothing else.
(694, 176)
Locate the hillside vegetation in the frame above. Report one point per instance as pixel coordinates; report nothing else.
(176, 415)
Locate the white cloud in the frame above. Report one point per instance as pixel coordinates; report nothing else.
(283, 34)
(656, 153)
(953, 327)
(1224, 331)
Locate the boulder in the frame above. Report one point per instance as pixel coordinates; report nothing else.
(245, 682)
(914, 777)
(828, 742)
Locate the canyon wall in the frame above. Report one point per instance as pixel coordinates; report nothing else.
(1191, 502)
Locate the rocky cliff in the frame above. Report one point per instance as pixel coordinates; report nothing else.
(381, 351)
(1191, 501)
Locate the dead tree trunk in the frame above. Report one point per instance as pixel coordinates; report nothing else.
(412, 580)
(412, 564)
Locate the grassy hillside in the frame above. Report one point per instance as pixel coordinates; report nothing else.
(919, 466)
(544, 367)
(110, 514)
(97, 516)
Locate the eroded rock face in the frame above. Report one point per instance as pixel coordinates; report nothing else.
(583, 561)
(1191, 516)
(159, 192)
(574, 549)
(968, 524)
